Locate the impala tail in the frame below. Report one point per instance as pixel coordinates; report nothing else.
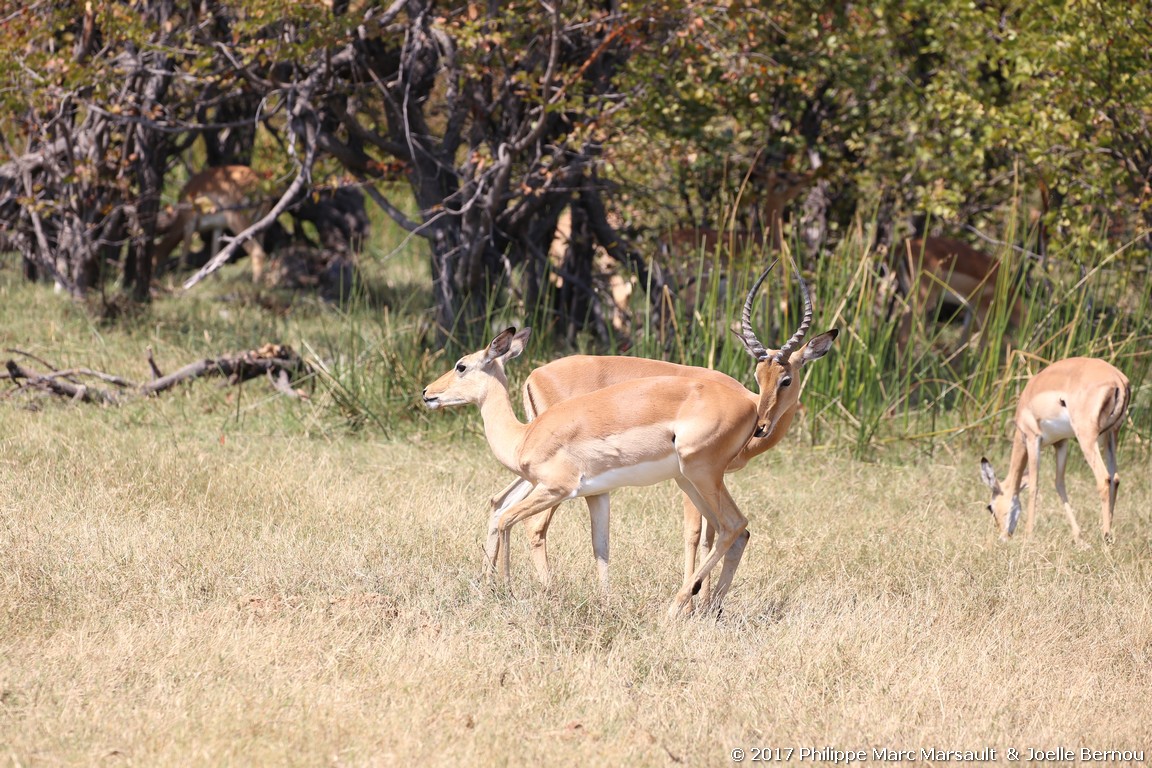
(1116, 407)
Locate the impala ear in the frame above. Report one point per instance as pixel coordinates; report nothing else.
(501, 345)
(988, 475)
(519, 341)
(819, 346)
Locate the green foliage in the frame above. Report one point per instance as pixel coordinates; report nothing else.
(943, 106)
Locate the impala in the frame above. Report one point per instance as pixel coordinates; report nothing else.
(576, 375)
(1082, 398)
(930, 269)
(633, 433)
(226, 197)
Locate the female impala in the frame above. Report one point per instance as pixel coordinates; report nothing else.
(1082, 398)
(216, 199)
(932, 269)
(579, 374)
(634, 433)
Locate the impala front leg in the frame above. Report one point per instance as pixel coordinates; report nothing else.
(730, 525)
(711, 600)
(492, 549)
(726, 538)
(727, 571)
(538, 546)
(1032, 445)
(1061, 449)
(501, 503)
(539, 499)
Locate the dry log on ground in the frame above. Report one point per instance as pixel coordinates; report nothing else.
(278, 362)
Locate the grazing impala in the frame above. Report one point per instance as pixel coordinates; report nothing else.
(633, 433)
(1082, 398)
(576, 375)
(930, 269)
(215, 199)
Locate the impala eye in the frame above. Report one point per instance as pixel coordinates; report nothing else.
(785, 381)
(990, 510)
(460, 367)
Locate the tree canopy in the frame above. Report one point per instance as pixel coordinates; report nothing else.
(639, 115)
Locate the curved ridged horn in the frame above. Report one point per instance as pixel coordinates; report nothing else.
(747, 335)
(790, 347)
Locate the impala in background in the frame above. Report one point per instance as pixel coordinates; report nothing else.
(930, 270)
(699, 259)
(216, 199)
(1082, 398)
(779, 189)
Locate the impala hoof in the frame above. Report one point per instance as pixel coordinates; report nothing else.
(679, 609)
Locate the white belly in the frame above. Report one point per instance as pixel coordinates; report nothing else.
(645, 473)
(1057, 429)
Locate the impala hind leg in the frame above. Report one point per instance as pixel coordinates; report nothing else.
(186, 241)
(904, 329)
(1107, 480)
(599, 511)
(1062, 491)
(1113, 483)
(259, 258)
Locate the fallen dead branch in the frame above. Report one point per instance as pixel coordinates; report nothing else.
(278, 362)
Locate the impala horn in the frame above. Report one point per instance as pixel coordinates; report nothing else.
(747, 335)
(790, 347)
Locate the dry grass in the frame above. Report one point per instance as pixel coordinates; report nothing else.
(169, 596)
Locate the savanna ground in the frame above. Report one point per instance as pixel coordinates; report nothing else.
(224, 576)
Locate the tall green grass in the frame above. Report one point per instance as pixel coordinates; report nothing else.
(941, 392)
(373, 355)
(865, 397)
